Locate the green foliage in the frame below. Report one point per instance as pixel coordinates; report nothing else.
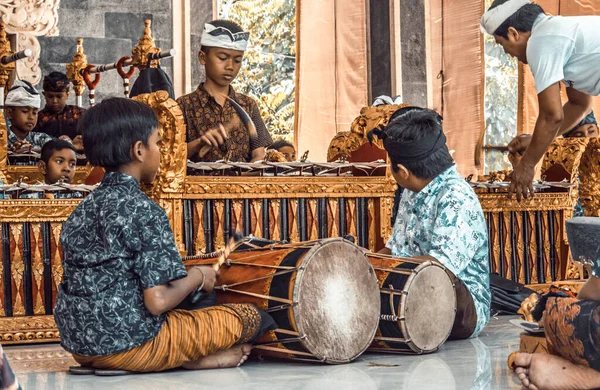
(269, 67)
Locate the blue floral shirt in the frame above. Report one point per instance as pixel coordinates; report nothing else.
(445, 220)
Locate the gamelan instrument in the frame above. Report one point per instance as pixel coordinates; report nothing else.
(418, 305)
(322, 294)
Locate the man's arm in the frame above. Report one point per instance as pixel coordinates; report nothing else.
(575, 109)
(590, 290)
(258, 154)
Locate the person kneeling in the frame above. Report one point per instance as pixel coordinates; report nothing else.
(439, 216)
(123, 274)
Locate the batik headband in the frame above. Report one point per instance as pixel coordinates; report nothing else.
(492, 19)
(214, 36)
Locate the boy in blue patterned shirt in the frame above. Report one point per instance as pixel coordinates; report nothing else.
(439, 216)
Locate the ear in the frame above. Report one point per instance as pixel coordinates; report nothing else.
(513, 34)
(42, 166)
(137, 152)
(9, 112)
(202, 57)
(402, 172)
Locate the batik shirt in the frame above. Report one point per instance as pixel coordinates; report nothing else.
(63, 123)
(117, 243)
(37, 140)
(445, 221)
(202, 113)
(596, 265)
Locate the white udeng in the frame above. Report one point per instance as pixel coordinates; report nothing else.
(492, 19)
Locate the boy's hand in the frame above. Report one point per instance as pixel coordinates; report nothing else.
(21, 147)
(214, 137)
(210, 278)
(78, 143)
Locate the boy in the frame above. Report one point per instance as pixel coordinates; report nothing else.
(22, 105)
(439, 216)
(123, 274)
(207, 110)
(286, 148)
(58, 119)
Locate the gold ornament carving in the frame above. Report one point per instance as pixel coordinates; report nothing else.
(30, 19)
(589, 179)
(527, 307)
(145, 46)
(346, 142)
(36, 210)
(171, 129)
(497, 202)
(5, 50)
(76, 67)
(36, 329)
(565, 153)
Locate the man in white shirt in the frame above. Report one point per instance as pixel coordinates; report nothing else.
(557, 49)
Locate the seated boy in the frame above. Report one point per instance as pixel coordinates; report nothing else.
(58, 119)
(123, 274)
(587, 128)
(22, 104)
(286, 148)
(439, 216)
(207, 110)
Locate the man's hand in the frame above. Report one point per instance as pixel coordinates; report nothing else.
(517, 148)
(210, 278)
(78, 143)
(522, 182)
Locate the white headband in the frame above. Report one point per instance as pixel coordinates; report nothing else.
(23, 95)
(492, 19)
(213, 36)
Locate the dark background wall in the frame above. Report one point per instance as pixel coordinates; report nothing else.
(110, 29)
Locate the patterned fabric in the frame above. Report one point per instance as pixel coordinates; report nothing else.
(117, 243)
(8, 380)
(186, 336)
(202, 113)
(37, 140)
(445, 220)
(56, 125)
(573, 330)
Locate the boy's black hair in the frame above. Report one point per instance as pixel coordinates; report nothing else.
(281, 144)
(112, 127)
(522, 20)
(414, 125)
(52, 146)
(228, 24)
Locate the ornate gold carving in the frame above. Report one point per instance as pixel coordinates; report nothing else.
(3, 148)
(76, 67)
(5, 50)
(171, 129)
(30, 19)
(37, 329)
(497, 202)
(346, 142)
(565, 153)
(36, 210)
(527, 307)
(145, 46)
(589, 179)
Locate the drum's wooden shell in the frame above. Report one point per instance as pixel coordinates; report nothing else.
(332, 286)
(418, 305)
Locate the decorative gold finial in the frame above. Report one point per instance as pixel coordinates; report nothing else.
(5, 50)
(145, 46)
(76, 67)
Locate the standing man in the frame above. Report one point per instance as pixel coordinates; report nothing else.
(557, 49)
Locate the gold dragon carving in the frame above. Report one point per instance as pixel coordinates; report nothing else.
(565, 153)
(589, 179)
(346, 142)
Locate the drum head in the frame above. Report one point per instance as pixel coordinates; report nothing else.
(338, 304)
(430, 307)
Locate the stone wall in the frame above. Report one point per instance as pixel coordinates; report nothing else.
(110, 28)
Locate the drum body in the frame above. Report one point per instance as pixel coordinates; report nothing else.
(418, 305)
(323, 295)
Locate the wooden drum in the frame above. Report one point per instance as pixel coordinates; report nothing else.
(418, 305)
(323, 295)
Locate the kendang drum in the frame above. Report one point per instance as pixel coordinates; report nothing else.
(418, 305)
(322, 294)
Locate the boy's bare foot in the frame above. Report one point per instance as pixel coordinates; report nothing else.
(232, 357)
(541, 371)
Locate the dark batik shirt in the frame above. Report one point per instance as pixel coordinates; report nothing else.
(56, 125)
(202, 113)
(116, 243)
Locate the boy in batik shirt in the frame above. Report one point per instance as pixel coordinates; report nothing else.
(123, 274)
(439, 216)
(208, 112)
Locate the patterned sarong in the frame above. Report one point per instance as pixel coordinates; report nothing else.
(185, 336)
(573, 330)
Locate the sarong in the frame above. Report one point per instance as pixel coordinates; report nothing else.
(573, 330)
(185, 336)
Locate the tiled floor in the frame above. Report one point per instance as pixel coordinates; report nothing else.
(469, 364)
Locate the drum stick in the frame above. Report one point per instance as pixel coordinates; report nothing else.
(16, 56)
(223, 258)
(126, 63)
